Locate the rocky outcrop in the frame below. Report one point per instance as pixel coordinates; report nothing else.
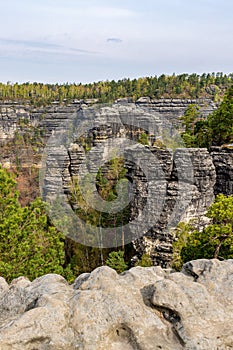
(186, 198)
(141, 309)
(223, 163)
(174, 108)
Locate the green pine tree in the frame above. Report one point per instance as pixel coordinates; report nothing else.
(29, 245)
(116, 261)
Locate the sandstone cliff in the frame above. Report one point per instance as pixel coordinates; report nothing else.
(48, 118)
(212, 173)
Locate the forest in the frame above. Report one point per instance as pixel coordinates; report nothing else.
(207, 85)
(30, 245)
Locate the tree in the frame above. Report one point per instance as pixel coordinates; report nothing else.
(189, 118)
(203, 134)
(217, 129)
(145, 261)
(143, 139)
(221, 121)
(29, 245)
(182, 232)
(83, 258)
(215, 241)
(116, 261)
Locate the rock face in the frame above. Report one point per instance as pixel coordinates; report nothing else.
(178, 206)
(174, 108)
(141, 309)
(223, 163)
(48, 118)
(178, 185)
(212, 172)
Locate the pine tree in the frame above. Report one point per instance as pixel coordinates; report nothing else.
(29, 245)
(116, 261)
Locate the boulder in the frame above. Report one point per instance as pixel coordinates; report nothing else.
(140, 309)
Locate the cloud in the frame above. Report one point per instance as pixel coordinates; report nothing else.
(18, 47)
(114, 40)
(27, 43)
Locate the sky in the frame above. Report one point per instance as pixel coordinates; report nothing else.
(59, 41)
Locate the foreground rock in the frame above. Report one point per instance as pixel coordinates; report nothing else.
(141, 309)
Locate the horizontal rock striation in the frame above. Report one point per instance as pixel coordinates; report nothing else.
(141, 309)
(223, 163)
(12, 113)
(186, 198)
(186, 180)
(174, 108)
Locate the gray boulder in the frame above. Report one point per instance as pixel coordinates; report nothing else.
(141, 309)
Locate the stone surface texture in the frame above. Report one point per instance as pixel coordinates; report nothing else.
(140, 309)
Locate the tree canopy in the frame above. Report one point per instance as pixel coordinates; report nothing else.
(210, 85)
(221, 121)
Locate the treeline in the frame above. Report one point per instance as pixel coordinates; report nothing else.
(211, 85)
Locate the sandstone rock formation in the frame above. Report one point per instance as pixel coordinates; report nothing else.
(212, 172)
(223, 163)
(47, 118)
(186, 198)
(141, 309)
(180, 183)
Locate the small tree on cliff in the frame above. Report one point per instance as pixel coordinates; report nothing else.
(116, 261)
(215, 241)
(29, 246)
(189, 119)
